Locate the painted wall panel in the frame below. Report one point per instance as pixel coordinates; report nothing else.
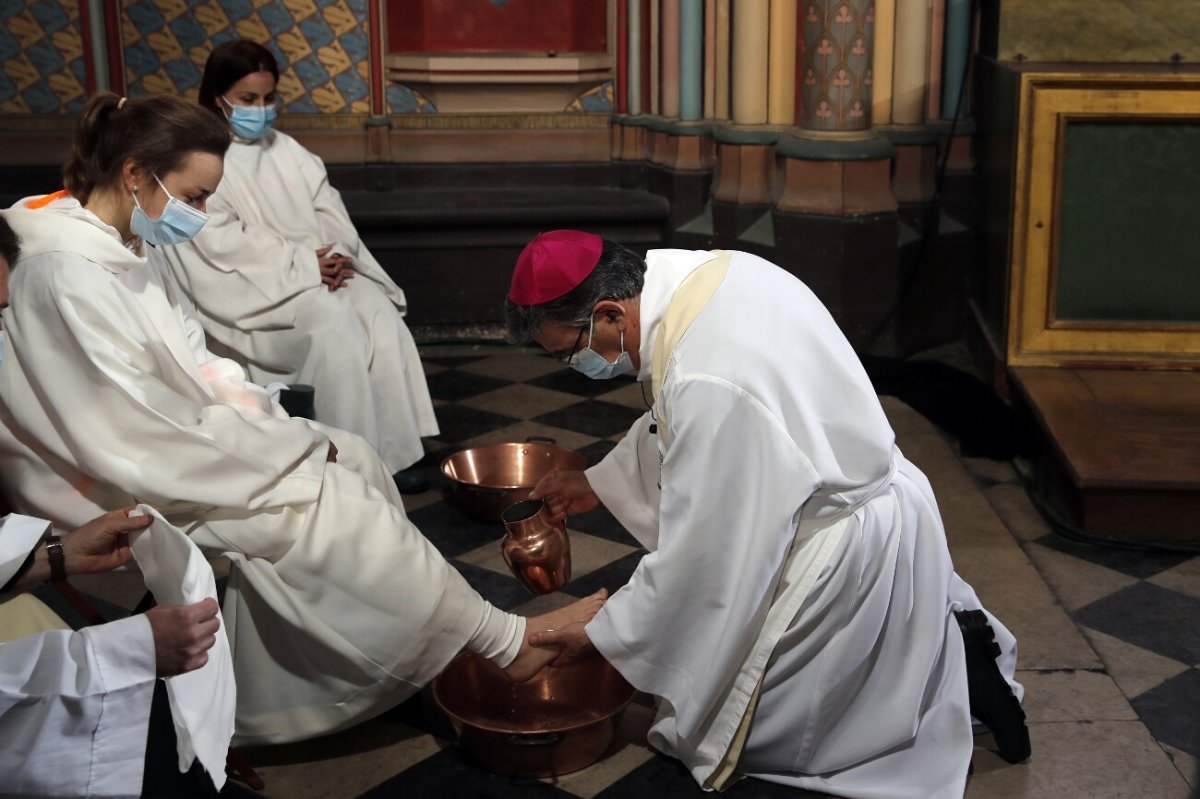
(42, 55)
(321, 45)
(491, 26)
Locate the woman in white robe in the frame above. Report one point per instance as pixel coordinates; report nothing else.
(337, 608)
(284, 285)
(796, 611)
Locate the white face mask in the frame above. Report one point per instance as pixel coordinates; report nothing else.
(591, 363)
(177, 223)
(250, 122)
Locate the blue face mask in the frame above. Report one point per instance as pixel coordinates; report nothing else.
(591, 363)
(178, 223)
(250, 122)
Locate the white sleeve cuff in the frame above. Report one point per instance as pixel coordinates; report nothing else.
(18, 536)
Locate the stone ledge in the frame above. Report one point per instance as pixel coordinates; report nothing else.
(746, 134)
(814, 148)
(471, 207)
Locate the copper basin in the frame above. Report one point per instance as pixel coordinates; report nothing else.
(560, 721)
(486, 480)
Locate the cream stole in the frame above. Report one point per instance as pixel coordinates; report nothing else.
(686, 304)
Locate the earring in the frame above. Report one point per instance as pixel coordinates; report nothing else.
(135, 189)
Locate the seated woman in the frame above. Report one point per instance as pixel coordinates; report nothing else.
(283, 284)
(338, 608)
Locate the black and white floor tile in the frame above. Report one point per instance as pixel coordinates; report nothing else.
(1110, 638)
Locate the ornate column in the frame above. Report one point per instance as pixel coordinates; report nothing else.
(837, 64)
(691, 59)
(835, 165)
(652, 102)
(669, 73)
(629, 133)
(750, 30)
(621, 66)
(958, 46)
(882, 61)
(721, 49)
(781, 82)
(956, 97)
(745, 162)
(635, 57)
(937, 40)
(710, 58)
(682, 144)
(745, 147)
(916, 145)
(911, 64)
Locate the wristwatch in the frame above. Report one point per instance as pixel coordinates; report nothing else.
(58, 563)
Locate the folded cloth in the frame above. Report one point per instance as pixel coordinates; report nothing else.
(202, 701)
(274, 390)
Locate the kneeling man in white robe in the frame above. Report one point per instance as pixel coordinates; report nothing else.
(797, 612)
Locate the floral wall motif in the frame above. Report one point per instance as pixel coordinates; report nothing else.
(838, 37)
(42, 53)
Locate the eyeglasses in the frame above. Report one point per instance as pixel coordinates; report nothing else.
(566, 356)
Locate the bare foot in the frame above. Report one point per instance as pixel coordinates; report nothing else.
(530, 660)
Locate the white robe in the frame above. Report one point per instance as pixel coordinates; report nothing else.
(337, 607)
(794, 553)
(252, 274)
(74, 706)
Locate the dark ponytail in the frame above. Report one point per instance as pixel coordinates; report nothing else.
(157, 132)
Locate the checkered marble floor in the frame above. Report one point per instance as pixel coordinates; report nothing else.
(1109, 639)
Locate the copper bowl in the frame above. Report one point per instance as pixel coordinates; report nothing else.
(486, 480)
(560, 721)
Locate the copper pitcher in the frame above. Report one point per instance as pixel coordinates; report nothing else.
(536, 549)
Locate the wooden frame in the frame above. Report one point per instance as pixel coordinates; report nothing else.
(1048, 102)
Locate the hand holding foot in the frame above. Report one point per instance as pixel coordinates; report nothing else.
(532, 659)
(570, 642)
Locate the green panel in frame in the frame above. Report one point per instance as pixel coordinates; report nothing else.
(1129, 222)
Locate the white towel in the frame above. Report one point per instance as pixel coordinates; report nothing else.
(202, 701)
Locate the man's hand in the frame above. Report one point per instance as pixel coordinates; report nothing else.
(102, 544)
(335, 268)
(183, 634)
(566, 493)
(571, 642)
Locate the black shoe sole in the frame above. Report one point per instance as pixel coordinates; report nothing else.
(992, 699)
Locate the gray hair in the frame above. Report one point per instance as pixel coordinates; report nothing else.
(619, 275)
